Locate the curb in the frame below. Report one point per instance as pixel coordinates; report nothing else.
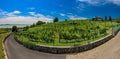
(5, 52)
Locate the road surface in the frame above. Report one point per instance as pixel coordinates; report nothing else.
(109, 50)
(17, 51)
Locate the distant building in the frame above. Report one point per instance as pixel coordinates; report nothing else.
(97, 18)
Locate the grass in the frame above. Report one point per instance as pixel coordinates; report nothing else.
(1, 30)
(2, 36)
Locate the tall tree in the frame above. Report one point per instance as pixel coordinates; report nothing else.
(105, 18)
(110, 18)
(56, 19)
(14, 29)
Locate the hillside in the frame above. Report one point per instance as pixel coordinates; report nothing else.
(66, 33)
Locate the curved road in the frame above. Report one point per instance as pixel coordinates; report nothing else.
(109, 50)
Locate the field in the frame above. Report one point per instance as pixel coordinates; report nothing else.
(2, 36)
(2, 30)
(66, 33)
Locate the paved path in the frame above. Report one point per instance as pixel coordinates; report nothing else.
(109, 50)
(17, 51)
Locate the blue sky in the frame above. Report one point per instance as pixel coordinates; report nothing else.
(30, 11)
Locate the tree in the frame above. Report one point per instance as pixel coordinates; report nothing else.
(26, 28)
(105, 18)
(33, 25)
(56, 19)
(14, 29)
(40, 23)
(65, 19)
(110, 18)
(93, 19)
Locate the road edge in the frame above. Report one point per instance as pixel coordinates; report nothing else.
(4, 49)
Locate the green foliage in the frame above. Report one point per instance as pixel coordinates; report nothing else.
(56, 19)
(2, 30)
(62, 33)
(14, 29)
(110, 18)
(2, 36)
(66, 20)
(105, 18)
(117, 20)
(40, 23)
(26, 28)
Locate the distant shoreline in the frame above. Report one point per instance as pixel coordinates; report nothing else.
(10, 25)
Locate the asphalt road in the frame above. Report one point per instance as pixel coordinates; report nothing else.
(109, 50)
(17, 51)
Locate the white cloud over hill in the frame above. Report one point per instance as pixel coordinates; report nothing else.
(13, 18)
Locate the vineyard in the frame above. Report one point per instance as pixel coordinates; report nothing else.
(66, 33)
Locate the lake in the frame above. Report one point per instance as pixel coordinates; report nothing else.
(10, 25)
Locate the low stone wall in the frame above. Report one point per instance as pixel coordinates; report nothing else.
(75, 49)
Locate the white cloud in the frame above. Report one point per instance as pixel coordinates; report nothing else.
(77, 18)
(23, 20)
(62, 14)
(31, 8)
(18, 20)
(90, 1)
(100, 2)
(16, 12)
(13, 18)
(9, 14)
(41, 17)
(117, 2)
(31, 13)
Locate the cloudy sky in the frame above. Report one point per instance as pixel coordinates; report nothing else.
(30, 11)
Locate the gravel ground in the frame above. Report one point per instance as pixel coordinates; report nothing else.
(109, 50)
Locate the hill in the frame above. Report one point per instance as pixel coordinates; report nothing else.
(66, 33)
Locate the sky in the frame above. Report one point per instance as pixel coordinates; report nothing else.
(30, 11)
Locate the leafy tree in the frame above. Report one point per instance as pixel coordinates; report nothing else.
(14, 29)
(56, 19)
(110, 18)
(40, 23)
(26, 28)
(105, 18)
(33, 25)
(66, 20)
(93, 19)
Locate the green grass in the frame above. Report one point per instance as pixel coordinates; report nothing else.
(67, 33)
(2, 36)
(117, 27)
(1, 30)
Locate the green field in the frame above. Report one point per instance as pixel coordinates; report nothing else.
(66, 33)
(2, 36)
(2, 30)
